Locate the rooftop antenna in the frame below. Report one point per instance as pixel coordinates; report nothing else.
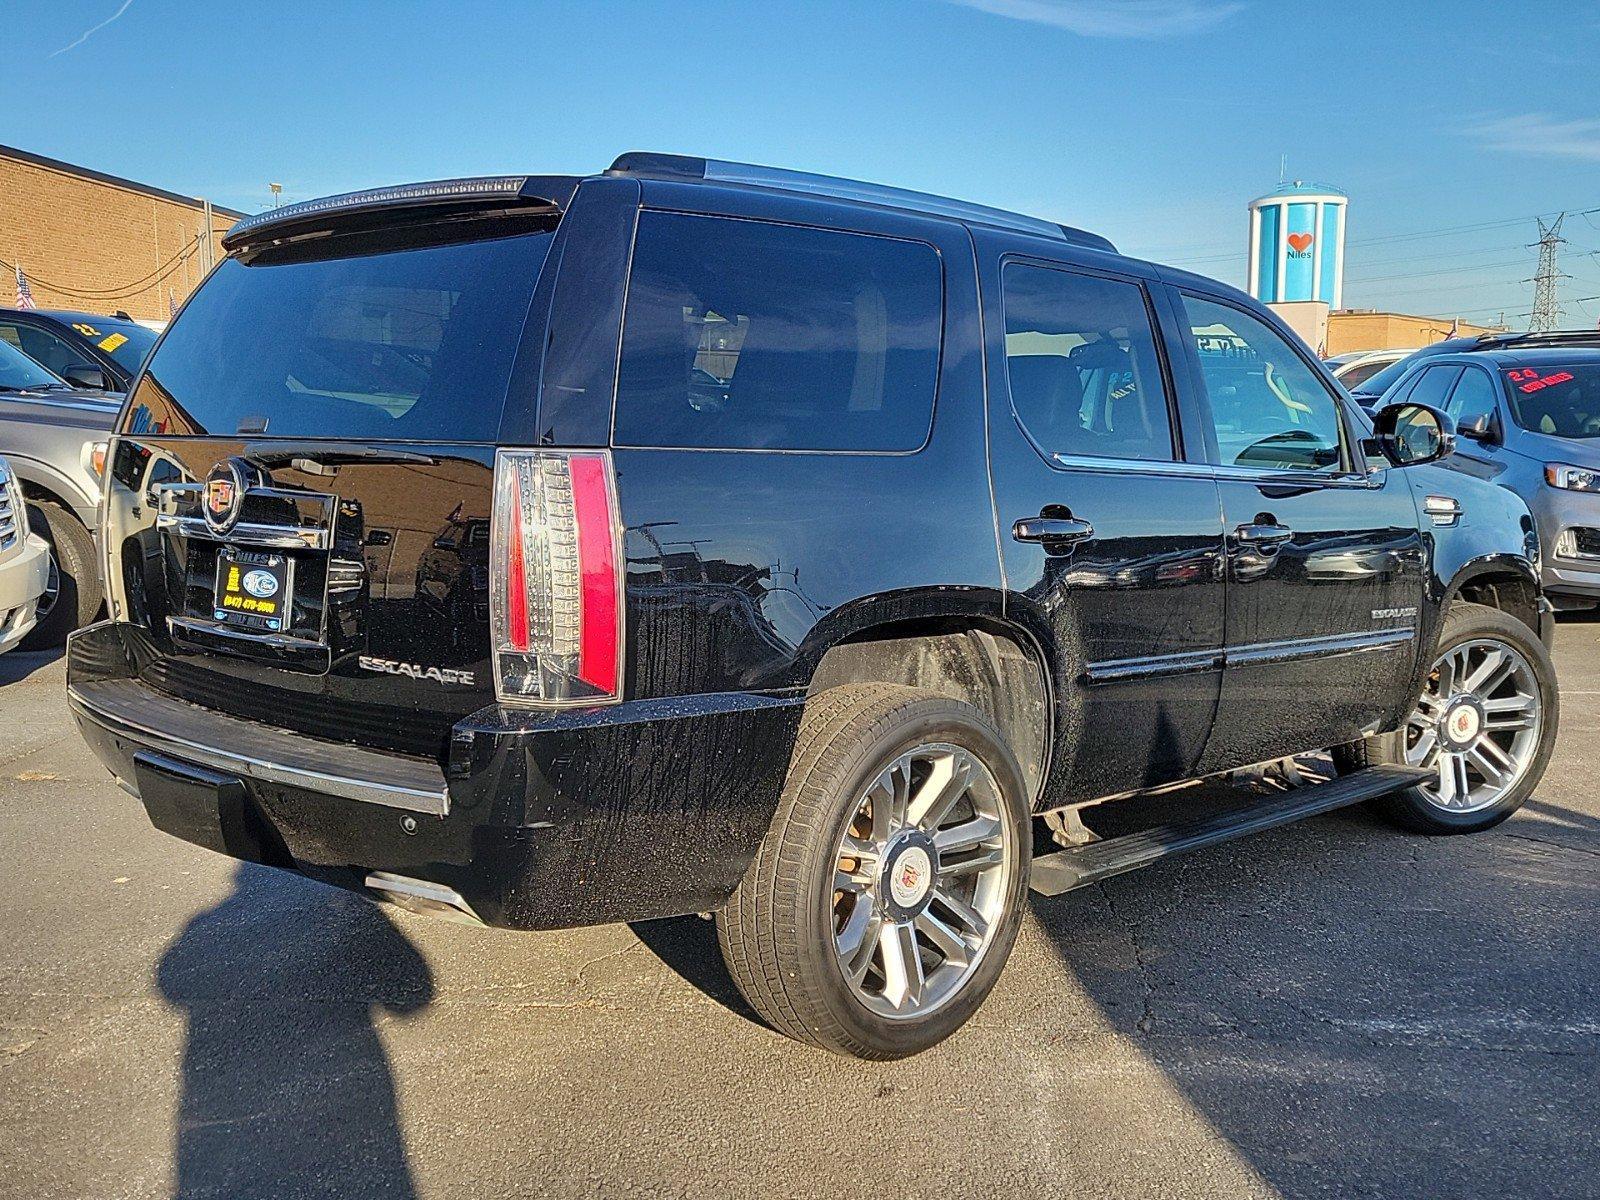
(1283, 168)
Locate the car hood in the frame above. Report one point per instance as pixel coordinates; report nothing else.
(86, 410)
(1580, 452)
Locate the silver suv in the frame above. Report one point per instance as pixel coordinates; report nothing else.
(52, 433)
(1526, 409)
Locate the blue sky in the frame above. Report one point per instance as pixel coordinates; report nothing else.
(1152, 121)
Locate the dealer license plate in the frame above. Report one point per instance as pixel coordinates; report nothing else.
(255, 589)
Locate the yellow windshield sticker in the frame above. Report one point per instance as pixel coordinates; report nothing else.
(112, 342)
(88, 331)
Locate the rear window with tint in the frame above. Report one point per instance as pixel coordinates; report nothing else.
(749, 335)
(414, 344)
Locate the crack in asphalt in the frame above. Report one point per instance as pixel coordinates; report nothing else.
(1146, 1021)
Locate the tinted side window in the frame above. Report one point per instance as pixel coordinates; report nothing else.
(1433, 385)
(1082, 365)
(54, 352)
(749, 335)
(1270, 410)
(1356, 376)
(1474, 396)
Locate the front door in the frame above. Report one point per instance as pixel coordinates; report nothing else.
(1112, 544)
(1324, 560)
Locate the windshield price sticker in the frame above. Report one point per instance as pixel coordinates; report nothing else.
(1528, 380)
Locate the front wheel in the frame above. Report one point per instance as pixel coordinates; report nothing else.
(1484, 726)
(883, 903)
(72, 595)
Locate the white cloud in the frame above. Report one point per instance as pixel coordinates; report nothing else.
(93, 29)
(1114, 18)
(1542, 135)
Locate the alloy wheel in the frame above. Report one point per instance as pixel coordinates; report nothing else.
(920, 881)
(1476, 724)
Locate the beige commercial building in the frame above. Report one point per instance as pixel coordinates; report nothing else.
(1363, 329)
(97, 243)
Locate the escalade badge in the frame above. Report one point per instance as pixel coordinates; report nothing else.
(224, 495)
(416, 670)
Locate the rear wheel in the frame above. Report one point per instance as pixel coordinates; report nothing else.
(1484, 725)
(886, 897)
(72, 596)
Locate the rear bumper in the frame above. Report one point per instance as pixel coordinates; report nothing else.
(646, 809)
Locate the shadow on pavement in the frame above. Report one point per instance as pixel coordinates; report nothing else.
(1330, 994)
(688, 945)
(17, 665)
(286, 1089)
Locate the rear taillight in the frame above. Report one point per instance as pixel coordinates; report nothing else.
(556, 579)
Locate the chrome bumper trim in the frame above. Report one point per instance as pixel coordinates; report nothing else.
(434, 803)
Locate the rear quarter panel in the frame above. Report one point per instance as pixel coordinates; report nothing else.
(744, 566)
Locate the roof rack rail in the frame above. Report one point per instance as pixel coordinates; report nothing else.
(1547, 337)
(682, 166)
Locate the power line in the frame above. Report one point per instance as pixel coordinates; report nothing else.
(1388, 239)
(122, 292)
(1495, 266)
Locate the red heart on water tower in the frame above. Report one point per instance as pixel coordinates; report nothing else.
(1300, 242)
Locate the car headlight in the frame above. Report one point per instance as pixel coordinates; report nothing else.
(1573, 479)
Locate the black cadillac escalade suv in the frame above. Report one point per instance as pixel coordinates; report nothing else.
(696, 537)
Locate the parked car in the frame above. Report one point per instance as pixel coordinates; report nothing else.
(1368, 393)
(54, 435)
(24, 565)
(1527, 410)
(982, 521)
(87, 350)
(1355, 368)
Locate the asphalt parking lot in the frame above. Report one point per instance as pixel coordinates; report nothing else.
(1335, 1008)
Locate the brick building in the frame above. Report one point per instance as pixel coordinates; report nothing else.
(1364, 329)
(95, 242)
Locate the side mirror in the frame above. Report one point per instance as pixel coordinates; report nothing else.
(1409, 435)
(91, 378)
(1480, 428)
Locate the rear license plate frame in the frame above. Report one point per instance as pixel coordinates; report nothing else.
(238, 604)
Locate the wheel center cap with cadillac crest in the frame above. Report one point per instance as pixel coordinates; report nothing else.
(1462, 722)
(223, 495)
(908, 874)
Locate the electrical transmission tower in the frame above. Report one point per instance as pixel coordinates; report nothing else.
(1546, 280)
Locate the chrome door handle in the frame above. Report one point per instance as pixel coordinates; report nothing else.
(1263, 534)
(1063, 531)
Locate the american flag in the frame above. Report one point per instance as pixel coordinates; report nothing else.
(172, 305)
(24, 292)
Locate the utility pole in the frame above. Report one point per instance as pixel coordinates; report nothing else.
(1546, 280)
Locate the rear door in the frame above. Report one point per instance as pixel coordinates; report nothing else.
(1112, 542)
(1324, 560)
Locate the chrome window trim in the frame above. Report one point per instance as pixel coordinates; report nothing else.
(1201, 470)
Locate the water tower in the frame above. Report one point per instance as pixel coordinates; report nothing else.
(1297, 245)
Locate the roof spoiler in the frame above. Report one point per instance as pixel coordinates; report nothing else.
(443, 196)
(682, 166)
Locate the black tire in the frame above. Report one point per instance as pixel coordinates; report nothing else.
(77, 598)
(1413, 809)
(777, 932)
